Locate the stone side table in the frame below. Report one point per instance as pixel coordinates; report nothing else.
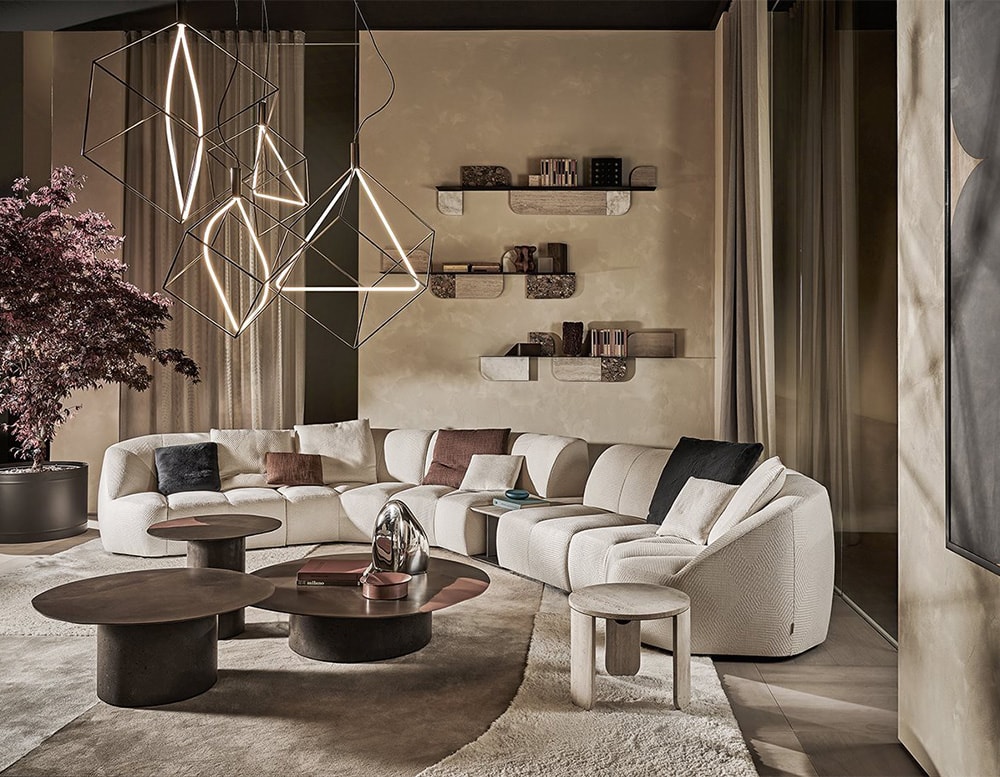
(623, 606)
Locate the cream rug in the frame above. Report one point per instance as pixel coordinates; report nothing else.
(633, 728)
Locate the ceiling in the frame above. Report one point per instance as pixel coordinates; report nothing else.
(16, 15)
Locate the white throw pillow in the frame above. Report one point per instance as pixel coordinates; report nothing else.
(491, 472)
(757, 490)
(696, 509)
(347, 450)
(242, 451)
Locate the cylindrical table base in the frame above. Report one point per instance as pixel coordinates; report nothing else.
(147, 665)
(221, 554)
(352, 640)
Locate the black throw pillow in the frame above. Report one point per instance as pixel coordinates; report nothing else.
(188, 468)
(726, 462)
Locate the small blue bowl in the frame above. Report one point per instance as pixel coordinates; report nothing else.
(516, 493)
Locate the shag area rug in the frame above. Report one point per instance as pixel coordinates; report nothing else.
(457, 707)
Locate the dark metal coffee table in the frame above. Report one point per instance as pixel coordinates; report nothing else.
(217, 542)
(157, 634)
(337, 623)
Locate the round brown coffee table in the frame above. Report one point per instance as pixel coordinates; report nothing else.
(336, 623)
(217, 542)
(157, 633)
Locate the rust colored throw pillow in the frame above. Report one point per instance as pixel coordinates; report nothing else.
(454, 450)
(293, 469)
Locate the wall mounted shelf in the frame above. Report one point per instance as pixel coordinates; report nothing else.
(491, 285)
(569, 369)
(557, 200)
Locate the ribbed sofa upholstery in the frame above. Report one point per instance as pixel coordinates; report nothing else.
(128, 502)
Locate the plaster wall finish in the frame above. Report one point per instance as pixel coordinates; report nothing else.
(85, 437)
(508, 98)
(949, 628)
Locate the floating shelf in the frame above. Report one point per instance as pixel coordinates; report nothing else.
(490, 285)
(556, 200)
(569, 369)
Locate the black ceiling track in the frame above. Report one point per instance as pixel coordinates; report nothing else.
(381, 14)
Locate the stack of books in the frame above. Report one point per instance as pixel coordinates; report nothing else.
(609, 342)
(517, 504)
(331, 571)
(558, 172)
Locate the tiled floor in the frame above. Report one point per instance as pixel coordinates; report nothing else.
(830, 711)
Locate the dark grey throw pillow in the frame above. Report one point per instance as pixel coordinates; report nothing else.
(192, 467)
(726, 462)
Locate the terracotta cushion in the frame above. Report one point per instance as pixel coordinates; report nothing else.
(454, 450)
(293, 469)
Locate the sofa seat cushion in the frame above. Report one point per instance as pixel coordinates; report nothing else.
(422, 501)
(312, 514)
(516, 526)
(252, 501)
(459, 529)
(588, 551)
(361, 506)
(548, 550)
(652, 560)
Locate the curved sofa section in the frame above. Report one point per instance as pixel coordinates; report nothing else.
(763, 588)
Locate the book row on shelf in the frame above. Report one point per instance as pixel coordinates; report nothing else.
(558, 172)
(609, 342)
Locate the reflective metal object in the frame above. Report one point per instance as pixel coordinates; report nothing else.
(399, 543)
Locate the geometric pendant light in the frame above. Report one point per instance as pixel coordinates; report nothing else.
(180, 120)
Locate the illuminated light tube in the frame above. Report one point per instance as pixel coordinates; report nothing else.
(211, 269)
(184, 201)
(264, 136)
(355, 172)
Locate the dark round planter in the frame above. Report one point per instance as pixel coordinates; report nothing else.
(46, 505)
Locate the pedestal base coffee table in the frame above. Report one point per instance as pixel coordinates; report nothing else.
(157, 634)
(217, 542)
(336, 623)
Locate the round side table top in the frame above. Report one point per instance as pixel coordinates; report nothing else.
(632, 601)
(213, 527)
(151, 596)
(444, 584)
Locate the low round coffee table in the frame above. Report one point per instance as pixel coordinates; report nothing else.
(156, 629)
(217, 542)
(336, 623)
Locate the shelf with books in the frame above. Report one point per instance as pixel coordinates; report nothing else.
(569, 369)
(489, 285)
(556, 200)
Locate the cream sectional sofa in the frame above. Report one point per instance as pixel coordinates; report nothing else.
(762, 588)
(128, 502)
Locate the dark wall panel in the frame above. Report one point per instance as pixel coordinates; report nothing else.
(331, 367)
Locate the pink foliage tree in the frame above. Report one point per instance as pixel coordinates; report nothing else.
(68, 318)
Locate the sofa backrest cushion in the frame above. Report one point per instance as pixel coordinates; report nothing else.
(554, 466)
(727, 462)
(347, 449)
(623, 479)
(242, 453)
(402, 454)
(455, 448)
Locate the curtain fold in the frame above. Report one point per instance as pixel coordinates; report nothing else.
(747, 404)
(256, 380)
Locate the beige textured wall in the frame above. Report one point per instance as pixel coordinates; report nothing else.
(504, 98)
(86, 436)
(949, 641)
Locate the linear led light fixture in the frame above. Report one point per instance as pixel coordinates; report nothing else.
(265, 142)
(184, 200)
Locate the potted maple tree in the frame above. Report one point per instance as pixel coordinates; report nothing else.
(68, 321)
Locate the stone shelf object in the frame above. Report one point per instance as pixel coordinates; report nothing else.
(557, 200)
(505, 368)
(490, 285)
(587, 369)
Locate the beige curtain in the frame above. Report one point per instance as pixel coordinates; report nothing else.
(747, 354)
(255, 380)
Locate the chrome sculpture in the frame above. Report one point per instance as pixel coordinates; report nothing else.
(399, 543)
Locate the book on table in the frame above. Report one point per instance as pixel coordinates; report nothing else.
(331, 571)
(517, 504)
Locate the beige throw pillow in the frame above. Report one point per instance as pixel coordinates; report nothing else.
(491, 472)
(696, 509)
(347, 449)
(760, 487)
(242, 452)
